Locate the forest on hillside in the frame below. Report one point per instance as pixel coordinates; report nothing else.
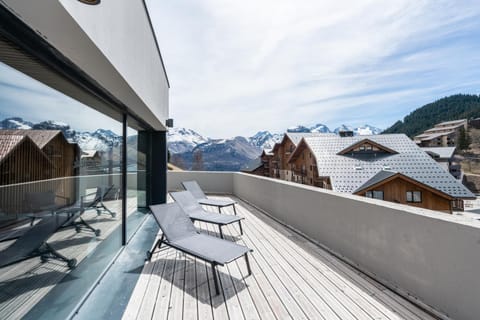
(459, 106)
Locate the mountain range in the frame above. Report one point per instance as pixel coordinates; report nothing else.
(188, 149)
(100, 139)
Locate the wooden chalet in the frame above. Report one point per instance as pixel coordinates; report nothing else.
(399, 188)
(282, 151)
(387, 167)
(36, 161)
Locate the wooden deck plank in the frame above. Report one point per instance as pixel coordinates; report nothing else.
(203, 291)
(226, 284)
(265, 288)
(175, 309)
(139, 291)
(334, 294)
(147, 304)
(161, 302)
(313, 301)
(312, 265)
(258, 306)
(329, 270)
(190, 307)
(291, 278)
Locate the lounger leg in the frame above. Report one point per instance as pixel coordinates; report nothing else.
(86, 225)
(221, 232)
(48, 252)
(234, 210)
(240, 225)
(158, 244)
(113, 214)
(248, 264)
(219, 209)
(215, 278)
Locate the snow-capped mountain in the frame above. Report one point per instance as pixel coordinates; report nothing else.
(218, 155)
(182, 140)
(56, 125)
(367, 130)
(298, 128)
(100, 139)
(265, 139)
(15, 123)
(320, 128)
(359, 131)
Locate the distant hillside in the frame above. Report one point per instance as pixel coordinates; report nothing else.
(459, 106)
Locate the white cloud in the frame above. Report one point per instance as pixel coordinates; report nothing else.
(22, 96)
(237, 67)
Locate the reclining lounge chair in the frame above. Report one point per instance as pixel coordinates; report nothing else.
(180, 233)
(191, 207)
(88, 203)
(97, 202)
(33, 243)
(197, 192)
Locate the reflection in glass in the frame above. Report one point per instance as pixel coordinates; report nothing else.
(136, 182)
(60, 201)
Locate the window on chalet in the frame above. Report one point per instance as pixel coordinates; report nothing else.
(375, 194)
(414, 196)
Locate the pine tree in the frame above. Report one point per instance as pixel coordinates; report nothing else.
(463, 140)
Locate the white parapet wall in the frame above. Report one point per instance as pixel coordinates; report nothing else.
(213, 182)
(429, 255)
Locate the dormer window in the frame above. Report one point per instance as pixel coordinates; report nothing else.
(367, 149)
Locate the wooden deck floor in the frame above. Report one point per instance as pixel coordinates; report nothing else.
(24, 284)
(292, 279)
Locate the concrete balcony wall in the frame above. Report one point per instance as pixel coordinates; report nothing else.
(431, 256)
(214, 182)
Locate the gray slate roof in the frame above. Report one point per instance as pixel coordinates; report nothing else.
(348, 173)
(442, 152)
(295, 137)
(40, 137)
(380, 176)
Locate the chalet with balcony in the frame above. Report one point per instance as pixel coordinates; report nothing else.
(282, 151)
(445, 157)
(441, 135)
(387, 167)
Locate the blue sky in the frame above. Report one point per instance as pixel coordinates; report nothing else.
(238, 67)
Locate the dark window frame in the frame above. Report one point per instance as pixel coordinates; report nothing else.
(410, 196)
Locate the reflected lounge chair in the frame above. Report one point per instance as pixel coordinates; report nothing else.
(33, 243)
(180, 233)
(96, 202)
(197, 192)
(191, 207)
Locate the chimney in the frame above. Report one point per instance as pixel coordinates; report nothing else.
(345, 133)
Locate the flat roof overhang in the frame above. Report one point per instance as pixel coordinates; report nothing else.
(57, 43)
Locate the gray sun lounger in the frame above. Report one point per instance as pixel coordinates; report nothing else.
(180, 233)
(191, 207)
(33, 243)
(197, 192)
(97, 202)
